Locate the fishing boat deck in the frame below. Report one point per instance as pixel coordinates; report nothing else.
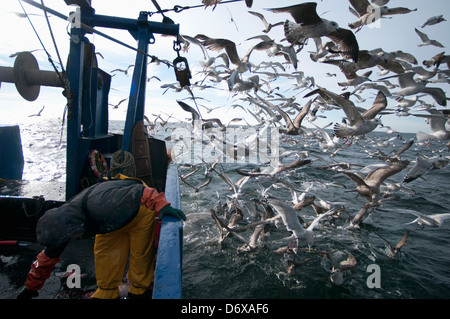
(15, 262)
(27, 201)
(26, 206)
(23, 202)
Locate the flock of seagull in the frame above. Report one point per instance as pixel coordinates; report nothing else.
(342, 51)
(338, 47)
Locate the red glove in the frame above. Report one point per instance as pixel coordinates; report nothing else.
(40, 271)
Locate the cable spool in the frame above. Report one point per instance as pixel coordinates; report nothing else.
(126, 166)
(27, 77)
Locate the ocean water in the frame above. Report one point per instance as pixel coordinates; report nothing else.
(216, 270)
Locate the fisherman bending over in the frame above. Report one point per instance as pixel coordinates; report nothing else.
(121, 212)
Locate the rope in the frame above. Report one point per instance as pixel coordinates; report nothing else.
(54, 41)
(126, 167)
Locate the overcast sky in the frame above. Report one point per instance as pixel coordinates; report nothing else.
(231, 21)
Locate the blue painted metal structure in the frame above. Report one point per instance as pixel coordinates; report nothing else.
(78, 137)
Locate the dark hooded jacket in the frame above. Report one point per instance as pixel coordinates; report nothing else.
(102, 208)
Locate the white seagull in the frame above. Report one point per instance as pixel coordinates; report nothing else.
(433, 20)
(410, 86)
(370, 12)
(426, 40)
(359, 123)
(268, 26)
(291, 220)
(229, 46)
(308, 24)
(433, 220)
(327, 144)
(421, 167)
(437, 122)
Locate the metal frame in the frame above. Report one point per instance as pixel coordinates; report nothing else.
(78, 139)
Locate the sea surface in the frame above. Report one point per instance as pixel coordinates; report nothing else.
(214, 270)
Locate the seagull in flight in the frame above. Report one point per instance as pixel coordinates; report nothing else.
(369, 187)
(326, 143)
(370, 12)
(242, 65)
(421, 167)
(268, 26)
(426, 40)
(293, 127)
(437, 122)
(437, 60)
(190, 109)
(214, 3)
(124, 71)
(277, 170)
(291, 220)
(410, 86)
(38, 113)
(432, 220)
(367, 59)
(195, 187)
(308, 24)
(116, 106)
(359, 123)
(13, 55)
(433, 20)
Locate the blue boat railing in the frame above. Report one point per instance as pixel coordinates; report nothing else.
(170, 250)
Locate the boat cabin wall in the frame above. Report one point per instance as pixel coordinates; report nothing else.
(11, 155)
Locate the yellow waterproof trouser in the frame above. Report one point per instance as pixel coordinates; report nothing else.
(111, 252)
